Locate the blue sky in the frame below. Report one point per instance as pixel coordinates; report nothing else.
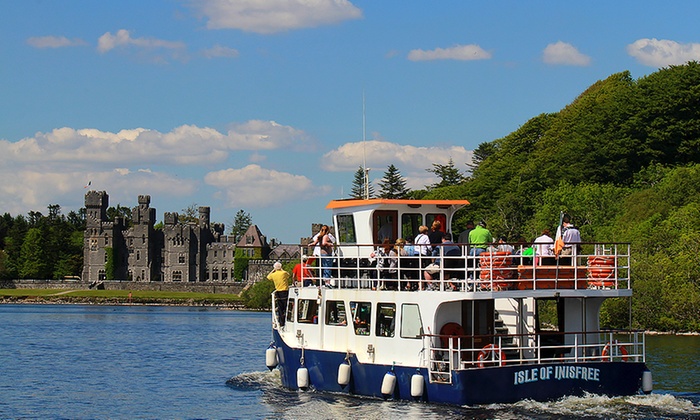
(257, 104)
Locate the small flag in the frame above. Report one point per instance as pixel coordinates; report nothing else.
(559, 241)
(88, 184)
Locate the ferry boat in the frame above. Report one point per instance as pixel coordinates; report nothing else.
(492, 328)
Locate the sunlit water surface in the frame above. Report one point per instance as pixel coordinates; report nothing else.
(73, 361)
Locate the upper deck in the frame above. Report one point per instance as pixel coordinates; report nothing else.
(362, 225)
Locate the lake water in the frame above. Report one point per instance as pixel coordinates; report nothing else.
(84, 362)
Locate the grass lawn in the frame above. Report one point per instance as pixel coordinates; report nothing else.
(117, 296)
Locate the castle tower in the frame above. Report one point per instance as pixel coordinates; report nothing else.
(98, 237)
(142, 241)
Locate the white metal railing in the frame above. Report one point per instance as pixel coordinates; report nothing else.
(460, 352)
(597, 266)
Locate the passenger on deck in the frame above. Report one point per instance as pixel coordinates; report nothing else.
(544, 248)
(281, 280)
(422, 244)
(435, 236)
(302, 271)
(479, 239)
(385, 261)
(572, 240)
(503, 245)
(401, 256)
(464, 236)
(449, 250)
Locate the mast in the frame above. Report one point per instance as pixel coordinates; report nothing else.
(364, 154)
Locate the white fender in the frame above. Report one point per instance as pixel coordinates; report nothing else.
(647, 384)
(344, 371)
(271, 358)
(388, 383)
(417, 384)
(303, 377)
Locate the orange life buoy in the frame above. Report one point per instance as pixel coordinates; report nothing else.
(451, 330)
(600, 273)
(485, 355)
(601, 260)
(621, 349)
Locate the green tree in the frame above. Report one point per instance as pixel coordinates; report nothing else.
(358, 185)
(259, 295)
(241, 223)
(393, 185)
(120, 211)
(33, 261)
(449, 175)
(190, 214)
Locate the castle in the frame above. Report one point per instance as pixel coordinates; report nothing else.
(179, 252)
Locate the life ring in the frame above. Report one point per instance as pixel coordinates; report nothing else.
(601, 261)
(451, 330)
(606, 351)
(485, 355)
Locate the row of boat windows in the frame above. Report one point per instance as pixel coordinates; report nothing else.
(386, 223)
(359, 315)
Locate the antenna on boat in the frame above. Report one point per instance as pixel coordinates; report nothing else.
(364, 154)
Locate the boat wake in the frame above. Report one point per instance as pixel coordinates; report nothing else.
(251, 381)
(597, 406)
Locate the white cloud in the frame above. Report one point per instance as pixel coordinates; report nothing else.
(562, 53)
(54, 42)
(271, 16)
(122, 39)
(187, 144)
(458, 52)
(54, 167)
(255, 186)
(219, 51)
(412, 161)
(30, 187)
(663, 52)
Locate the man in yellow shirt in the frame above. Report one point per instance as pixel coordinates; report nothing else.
(281, 280)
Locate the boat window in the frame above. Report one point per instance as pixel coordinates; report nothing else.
(308, 311)
(335, 313)
(411, 324)
(346, 229)
(440, 217)
(549, 320)
(290, 310)
(361, 317)
(386, 314)
(410, 222)
(384, 225)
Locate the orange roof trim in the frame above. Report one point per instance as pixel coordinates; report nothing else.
(339, 204)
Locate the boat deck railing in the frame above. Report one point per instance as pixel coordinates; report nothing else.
(455, 352)
(590, 266)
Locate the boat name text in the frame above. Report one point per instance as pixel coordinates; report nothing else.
(556, 372)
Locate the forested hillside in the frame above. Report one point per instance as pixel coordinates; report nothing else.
(624, 160)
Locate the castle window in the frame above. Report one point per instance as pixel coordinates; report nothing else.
(143, 239)
(215, 253)
(224, 255)
(224, 274)
(215, 274)
(181, 259)
(101, 275)
(138, 255)
(177, 275)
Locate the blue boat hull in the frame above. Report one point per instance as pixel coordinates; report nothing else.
(507, 384)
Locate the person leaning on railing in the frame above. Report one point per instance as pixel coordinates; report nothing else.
(281, 280)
